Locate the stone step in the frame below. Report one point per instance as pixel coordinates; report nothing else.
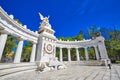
(14, 74)
(13, 65)
(93, 63)
(83, 63)
(6, 69)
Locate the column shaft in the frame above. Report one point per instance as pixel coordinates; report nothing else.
(32, 57)
(18, 52)
(103, 51)
(61, 55)
(69, 55)
(77, 54)
(96, 52)
(54, 51)
(86, 53)
(3, 38)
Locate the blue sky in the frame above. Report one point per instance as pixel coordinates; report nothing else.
(67, 17)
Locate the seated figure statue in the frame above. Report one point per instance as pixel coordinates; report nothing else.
(49, 62)
(54, 63)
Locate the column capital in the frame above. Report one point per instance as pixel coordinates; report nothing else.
(68, 47)
(60, 47)
(76, 47)
(34, 42)
(20, 38)
(85, 47)
(94, 45)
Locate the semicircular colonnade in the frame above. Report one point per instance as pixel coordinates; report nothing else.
(9, 26)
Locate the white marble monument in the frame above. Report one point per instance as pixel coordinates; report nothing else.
(44, 42)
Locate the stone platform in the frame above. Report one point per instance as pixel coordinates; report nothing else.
(71, 73)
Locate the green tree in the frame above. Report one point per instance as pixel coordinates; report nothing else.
(80, 36)
(27, 51)
(11, 43)
(113, 44)
(94, 31)
(91, 53)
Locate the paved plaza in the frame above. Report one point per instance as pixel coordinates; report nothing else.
(72, 73)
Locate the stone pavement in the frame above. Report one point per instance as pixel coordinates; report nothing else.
(72, 73)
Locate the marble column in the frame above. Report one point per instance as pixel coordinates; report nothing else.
(77, 54)
(32, 57)
(86, 54)
(69, 55)
(3, 38)
(61, 55)
(18, 52)
(96, 52)
(54, 51)
(103, 51)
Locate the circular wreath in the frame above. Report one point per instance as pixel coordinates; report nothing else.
(49, 48)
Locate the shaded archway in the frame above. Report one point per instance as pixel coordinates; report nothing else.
(73, 54)
(26, 53)
(58, 53)
(91, 53)
(82, 53)
(65, 54)
(10, 49)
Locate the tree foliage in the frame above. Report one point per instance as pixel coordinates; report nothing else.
(112, 41)
(27, 51)
(11, 43)
(9, 50)
(80, 36)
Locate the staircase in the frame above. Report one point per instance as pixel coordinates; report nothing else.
(83, 63)
(10, 68)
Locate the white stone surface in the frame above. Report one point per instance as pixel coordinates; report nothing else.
(46, 40)
(61, 55)
(18, 52)
(3, 38)
(69, 55)
(86, 54)
(96, 52)
(32, 57)
(11, 27)
(11, 16)
(47, 44)
(77, 53)
(72, 73)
